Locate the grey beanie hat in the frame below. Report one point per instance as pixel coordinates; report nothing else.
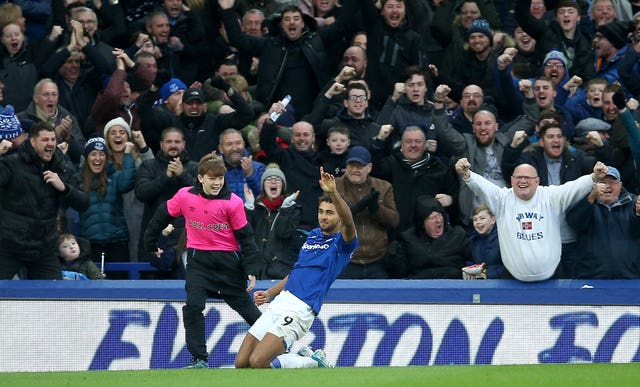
(273, 170)
(118, 121)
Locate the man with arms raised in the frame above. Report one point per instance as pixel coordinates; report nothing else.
(528, 216)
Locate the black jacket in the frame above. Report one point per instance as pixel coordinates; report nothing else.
(417, 256)
(389, 52)
(154, 187)
(277, 238)
(431, 178)
(273, 52)
(29, 206)
(302, 171)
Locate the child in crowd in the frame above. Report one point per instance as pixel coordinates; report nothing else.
(75, 260)
(334, 157)
(583, 106)
(484, 242)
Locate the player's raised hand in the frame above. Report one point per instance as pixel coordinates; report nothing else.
(327, 181)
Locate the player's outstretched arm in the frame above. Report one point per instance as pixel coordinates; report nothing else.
(328, 185)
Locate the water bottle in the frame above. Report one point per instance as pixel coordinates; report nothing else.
(285, 101)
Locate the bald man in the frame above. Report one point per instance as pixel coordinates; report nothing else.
(528, 216)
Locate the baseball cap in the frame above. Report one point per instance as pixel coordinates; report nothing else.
(191, 94)
(359, 155)
(613, 172)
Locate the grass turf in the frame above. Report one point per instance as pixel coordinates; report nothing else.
(563, 375)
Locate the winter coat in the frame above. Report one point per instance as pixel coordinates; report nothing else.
(465, 145)
(273, 51)
(431, 178)
(76, 139)
(236, 179)
(608, 237)
(83, 265)
(277, 237)
(485, 248)
(361, 130)
(402, 113)
(550, 36)
(372, 228)
(104, 221)
(153, 187)
(29, 206)
(21, 72)
(389, 52)
(302, 170)
(417, 256)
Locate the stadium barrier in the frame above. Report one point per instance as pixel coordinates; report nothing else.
(134, 269)
(117, 325)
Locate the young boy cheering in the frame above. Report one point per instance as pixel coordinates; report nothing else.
(299, 296)
(215, 222)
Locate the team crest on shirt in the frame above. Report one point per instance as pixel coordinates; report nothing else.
(526, 220)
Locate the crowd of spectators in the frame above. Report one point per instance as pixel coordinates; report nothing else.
(108, 105)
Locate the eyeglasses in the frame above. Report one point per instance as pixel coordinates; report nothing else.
(273, 179)
(471, 95)
(527, 178)
(357, 98)
(553, 65)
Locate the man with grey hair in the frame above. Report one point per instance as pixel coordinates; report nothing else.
(413, 172)
(241, 168)
(45, 108)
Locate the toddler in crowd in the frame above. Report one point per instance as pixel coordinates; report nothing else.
(334, 157)
(74, 261)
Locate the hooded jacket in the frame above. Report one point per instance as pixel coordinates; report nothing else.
(415, 255)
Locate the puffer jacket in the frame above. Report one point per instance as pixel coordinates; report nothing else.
(104, 221)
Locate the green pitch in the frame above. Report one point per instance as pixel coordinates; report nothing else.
(610, 375)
